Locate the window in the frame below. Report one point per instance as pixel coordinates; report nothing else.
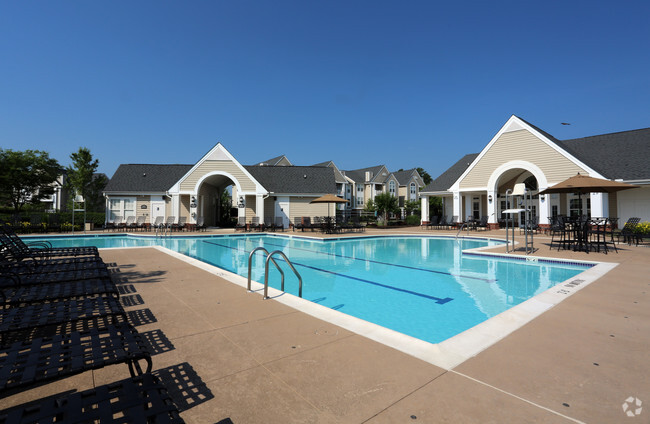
(577, 206)
(414, 192)
(121, 206)
(359, 189)
(359, 201)
(391, 187)
(476, 208)
(554, 212)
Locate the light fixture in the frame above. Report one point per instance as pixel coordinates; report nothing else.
(519, 190)
(542, 197)
(490, 198)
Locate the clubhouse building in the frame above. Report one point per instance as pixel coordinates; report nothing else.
(475, 186)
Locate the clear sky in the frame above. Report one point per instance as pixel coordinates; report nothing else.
(362, 83)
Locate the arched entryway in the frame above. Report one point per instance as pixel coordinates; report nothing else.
(505, 177)
(214, 199)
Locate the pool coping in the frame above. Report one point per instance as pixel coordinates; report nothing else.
(451, 352)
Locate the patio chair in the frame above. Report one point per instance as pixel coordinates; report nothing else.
(268, 223)
(130, 223)
(125, 224)
(483, 223)
(297, 223)
(181, 224)
(627, 232)
(241, 224)
(200, 224)
(158, 222)
(433, 222)
(169, 222)
(117, 222)
(279, 223)
(255, 224)
(140, 223)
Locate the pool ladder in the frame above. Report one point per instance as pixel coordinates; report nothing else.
(269, 258)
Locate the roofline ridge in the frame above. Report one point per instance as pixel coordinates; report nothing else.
(612, 133)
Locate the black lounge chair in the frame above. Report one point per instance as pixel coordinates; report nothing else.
(241, 224)
(44, 248)
(279, 223)
(200, 224)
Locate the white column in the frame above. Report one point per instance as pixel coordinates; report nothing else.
(492, 207)
(259, 206)
(468, 207)
(241, 211)
(544, 208)
(176, 207)
(457, 210)
(424, 209)
(599, 205)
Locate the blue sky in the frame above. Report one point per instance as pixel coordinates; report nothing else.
(405, 84)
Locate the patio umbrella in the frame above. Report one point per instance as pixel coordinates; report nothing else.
(329, 198)
(581, 184)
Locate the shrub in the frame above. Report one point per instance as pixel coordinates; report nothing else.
(642, 228)
(413, 220)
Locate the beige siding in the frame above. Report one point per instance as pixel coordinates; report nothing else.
(217, 165)
(300, 206)
(185, 206)
(139, 201)
(521, 145)
(613, 207)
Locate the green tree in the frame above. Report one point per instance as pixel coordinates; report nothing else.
(370, 206)
(435, 206)
(83, 180)
(225, 199)
(26, 177)
(411, 206)
(386, 203)
(425, 176)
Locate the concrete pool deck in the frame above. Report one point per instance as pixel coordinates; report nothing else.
(230, 356)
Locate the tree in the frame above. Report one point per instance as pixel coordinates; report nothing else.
(435, 206)
(425, 176)
(225, 199)
(26, 177)
(370, 206)
(83, 180)
(386, 203)
(410, 206)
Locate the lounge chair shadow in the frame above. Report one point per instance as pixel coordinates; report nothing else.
(184, 386)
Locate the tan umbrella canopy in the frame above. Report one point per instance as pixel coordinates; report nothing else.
(329, 198)
(585, 184)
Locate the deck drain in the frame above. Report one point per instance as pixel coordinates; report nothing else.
(565, 404)
(413, 417)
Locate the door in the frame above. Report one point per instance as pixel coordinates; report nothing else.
(282, 209)
(157, 209)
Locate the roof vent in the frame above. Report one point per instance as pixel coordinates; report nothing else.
(144, 174)
(304, 176)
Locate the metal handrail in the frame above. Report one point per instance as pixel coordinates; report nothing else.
(250, 265)
(266, 273)
(463, 225)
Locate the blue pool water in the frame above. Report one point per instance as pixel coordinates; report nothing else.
(424, 287)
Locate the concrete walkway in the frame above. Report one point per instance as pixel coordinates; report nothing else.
(233, 357)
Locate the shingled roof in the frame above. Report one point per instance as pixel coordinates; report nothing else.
(449, 177)
(622, 155)
(403, 177)
(295, 179)
(147, 178)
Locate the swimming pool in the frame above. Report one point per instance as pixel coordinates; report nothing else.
(424, 287)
